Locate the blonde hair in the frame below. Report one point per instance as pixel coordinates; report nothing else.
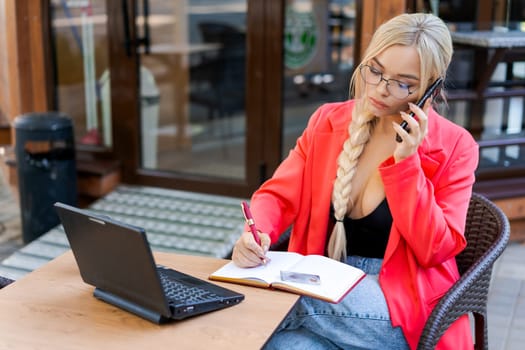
(431, 38)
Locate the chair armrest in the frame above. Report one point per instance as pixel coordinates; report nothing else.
(470, 293)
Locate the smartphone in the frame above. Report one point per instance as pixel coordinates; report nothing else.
(298, 277)
(430, 91)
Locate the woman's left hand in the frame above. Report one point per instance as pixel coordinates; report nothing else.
(418, 126)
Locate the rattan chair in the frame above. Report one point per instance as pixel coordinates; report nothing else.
(487, 231)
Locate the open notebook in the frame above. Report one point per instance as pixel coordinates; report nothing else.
(117, 259)
(326, 279)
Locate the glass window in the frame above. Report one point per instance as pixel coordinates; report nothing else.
(193, 87)
(318, 59)
(81, 66)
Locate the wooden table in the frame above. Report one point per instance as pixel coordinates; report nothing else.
(52, 308)
(501, 43)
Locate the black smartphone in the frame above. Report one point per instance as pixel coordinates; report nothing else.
(299, 277)
(430, 91)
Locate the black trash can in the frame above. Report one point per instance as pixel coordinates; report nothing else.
(45, 156)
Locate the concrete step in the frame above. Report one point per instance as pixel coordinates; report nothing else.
(175, 221)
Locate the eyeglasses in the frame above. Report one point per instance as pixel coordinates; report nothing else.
(396, 88)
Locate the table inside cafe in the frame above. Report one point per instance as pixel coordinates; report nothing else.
(490, 47)
(52, 308)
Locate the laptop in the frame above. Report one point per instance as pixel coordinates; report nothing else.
(116, 259)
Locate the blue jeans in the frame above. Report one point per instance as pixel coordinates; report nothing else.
(360, 321)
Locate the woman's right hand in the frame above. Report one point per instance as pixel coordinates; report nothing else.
(247, 253)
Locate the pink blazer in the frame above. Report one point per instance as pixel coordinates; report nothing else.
(428, 195)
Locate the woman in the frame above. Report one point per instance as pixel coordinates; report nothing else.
(394, 209)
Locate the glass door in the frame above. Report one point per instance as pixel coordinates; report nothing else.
(192, 87)
(81, 61)
(184, 94)
(187, 98)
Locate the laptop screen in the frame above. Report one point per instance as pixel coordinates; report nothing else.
(114, 257)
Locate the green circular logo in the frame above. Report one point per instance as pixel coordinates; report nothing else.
(300, 38)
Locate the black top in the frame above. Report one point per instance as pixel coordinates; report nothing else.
(368, 235)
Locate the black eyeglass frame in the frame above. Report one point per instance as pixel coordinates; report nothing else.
(387, 81)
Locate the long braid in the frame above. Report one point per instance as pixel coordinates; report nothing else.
(359, 131)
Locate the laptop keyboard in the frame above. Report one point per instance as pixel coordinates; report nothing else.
(180, 293)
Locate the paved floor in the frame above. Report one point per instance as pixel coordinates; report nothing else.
(506, 304)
